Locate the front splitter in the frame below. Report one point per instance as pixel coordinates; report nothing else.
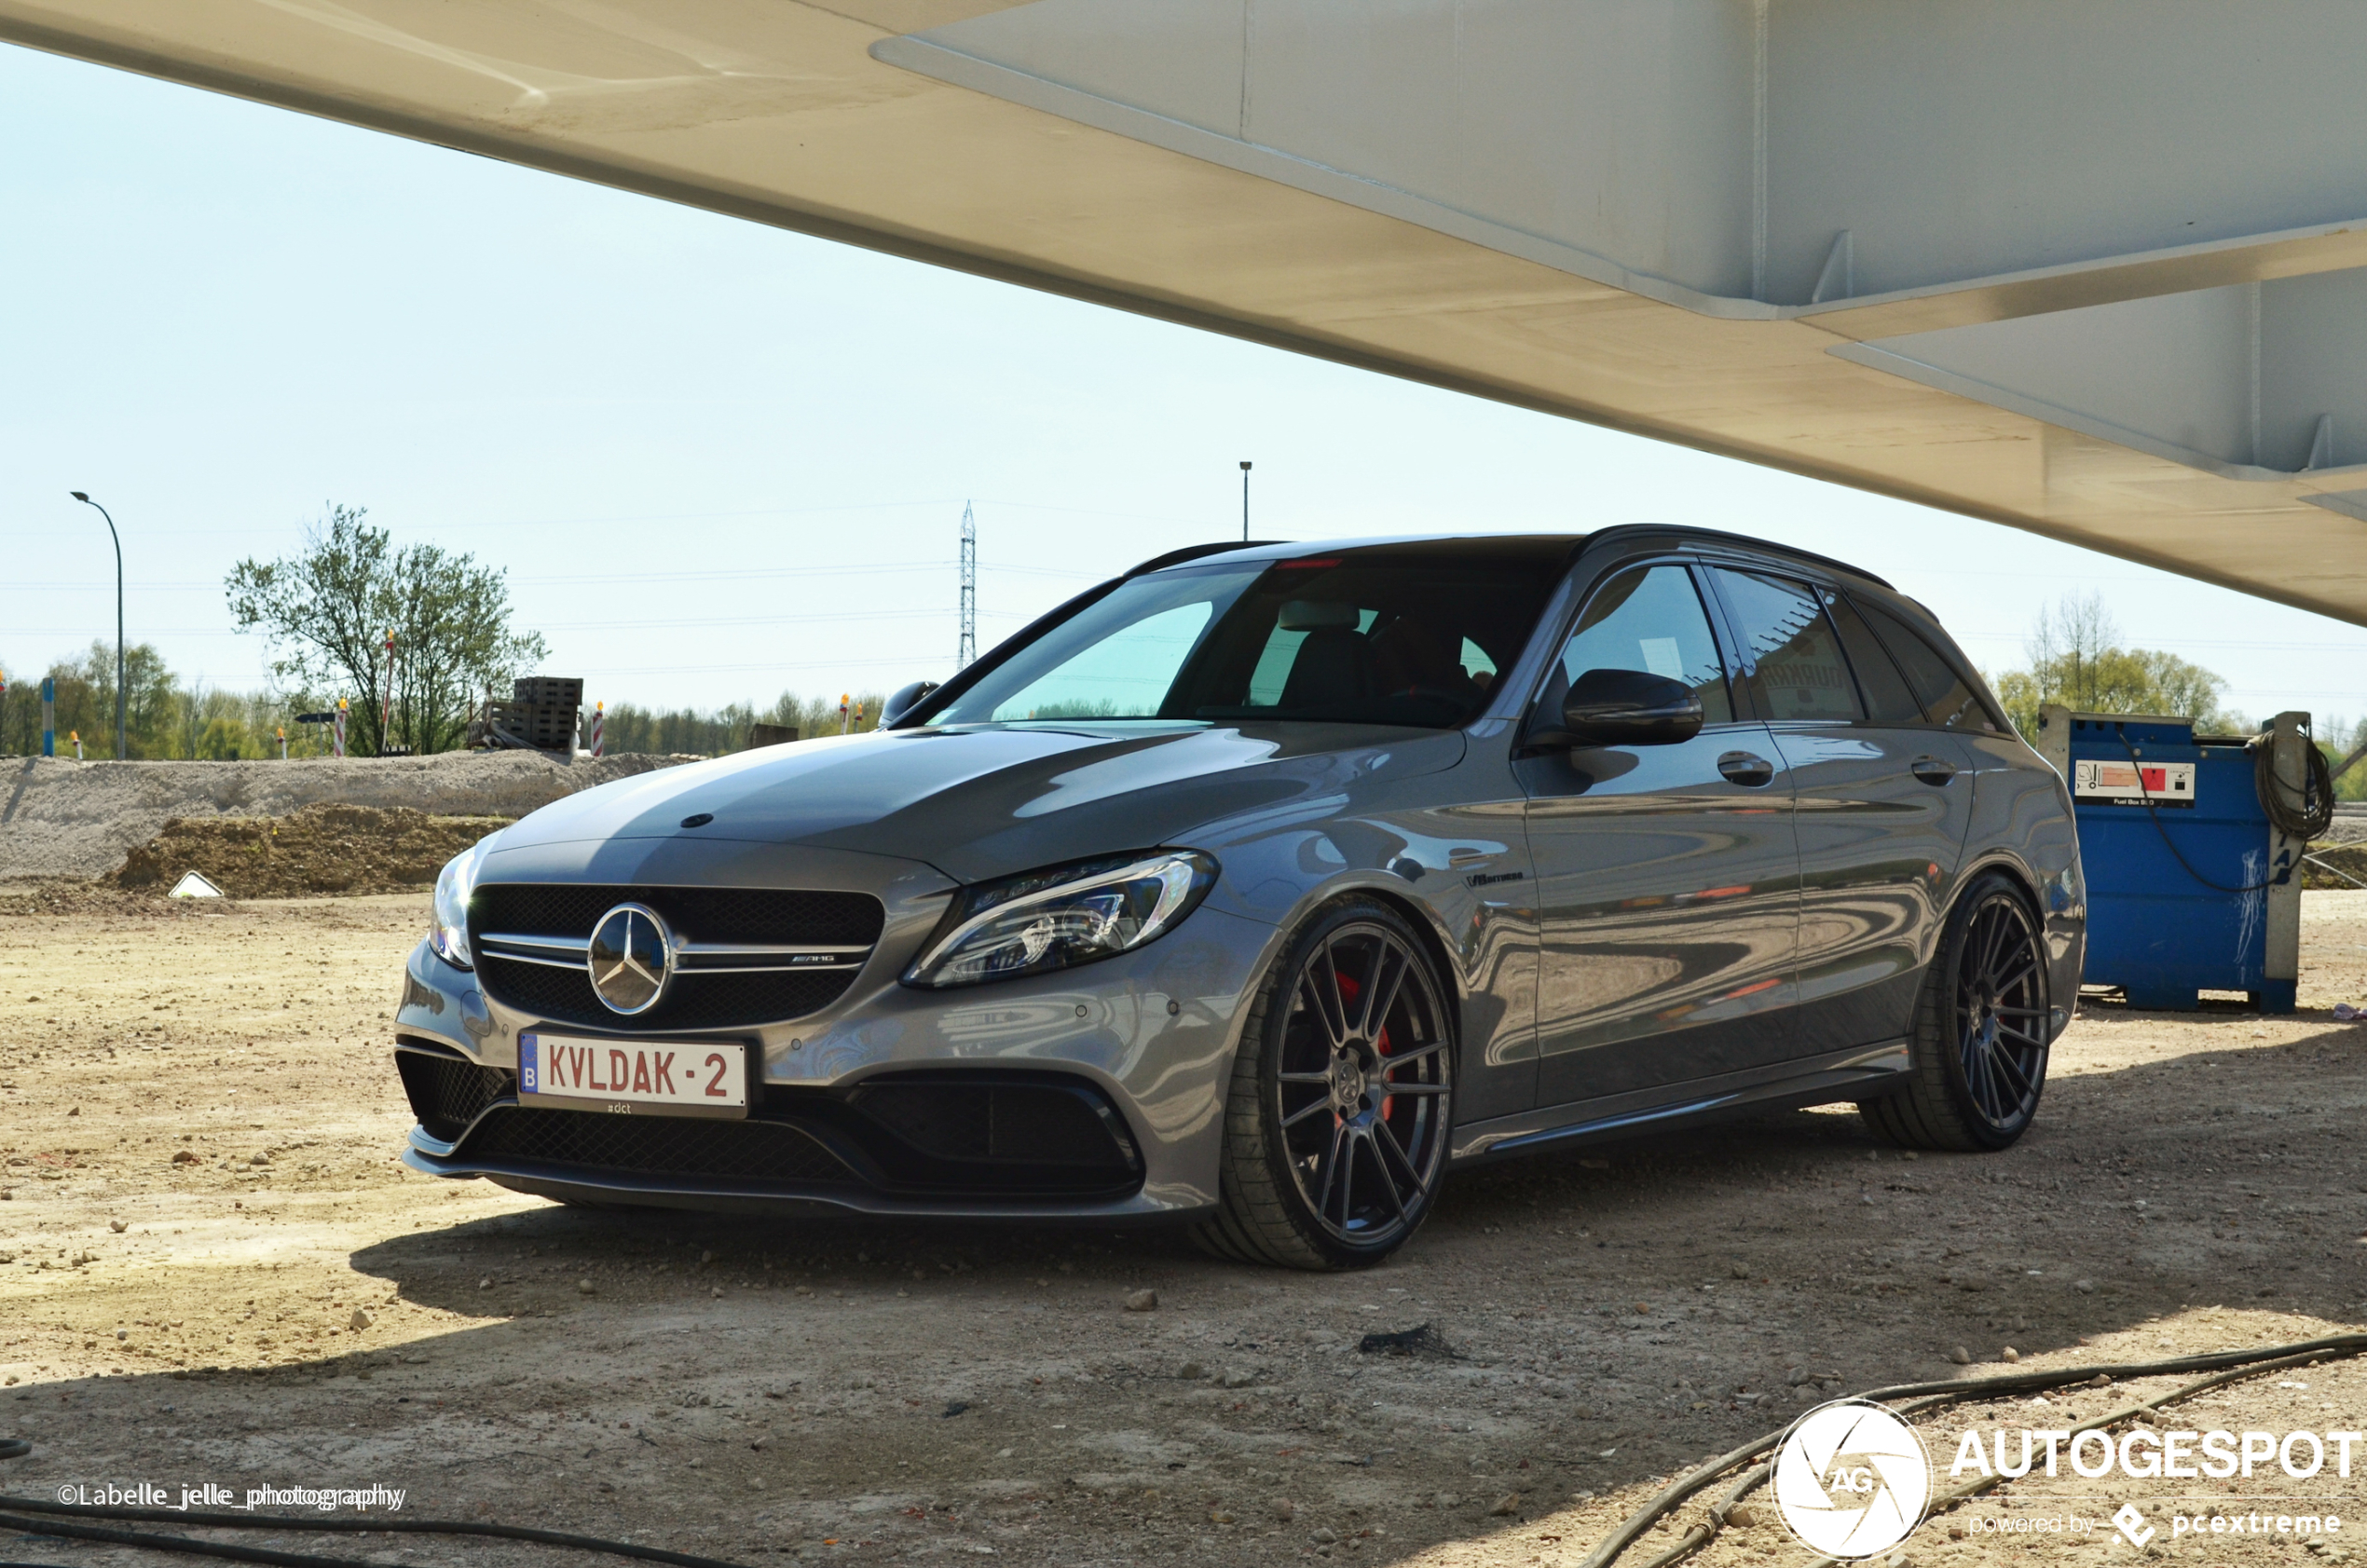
(847, 1202)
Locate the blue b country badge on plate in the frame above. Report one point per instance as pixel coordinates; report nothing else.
(529, 1069)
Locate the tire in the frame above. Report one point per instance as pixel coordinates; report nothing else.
(1336, 1120)
(1977, 1056)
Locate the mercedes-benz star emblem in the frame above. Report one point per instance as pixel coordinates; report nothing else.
(631, 958)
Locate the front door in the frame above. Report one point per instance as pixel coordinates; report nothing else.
(1883, 800)
(1668, 879)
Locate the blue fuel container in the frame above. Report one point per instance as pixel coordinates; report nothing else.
(2181, 863)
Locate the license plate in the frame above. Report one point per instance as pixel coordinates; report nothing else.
(633, 1077)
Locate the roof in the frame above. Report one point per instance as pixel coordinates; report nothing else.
(1554, 549)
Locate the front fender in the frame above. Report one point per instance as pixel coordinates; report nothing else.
(441, 1001)
(1461, 875)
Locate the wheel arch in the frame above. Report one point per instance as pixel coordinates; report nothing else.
(1427, 929)
(2012, 869)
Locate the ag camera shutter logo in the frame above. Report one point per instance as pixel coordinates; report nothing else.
(1851, 1480)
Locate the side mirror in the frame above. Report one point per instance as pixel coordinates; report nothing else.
(904, 701)
(1624, 708)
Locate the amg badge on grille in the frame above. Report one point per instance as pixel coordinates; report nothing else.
(631, 959)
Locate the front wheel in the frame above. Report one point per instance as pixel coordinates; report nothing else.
(1336, 1118)
(1977, 1060)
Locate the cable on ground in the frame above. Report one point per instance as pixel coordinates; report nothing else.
(1758, 1454)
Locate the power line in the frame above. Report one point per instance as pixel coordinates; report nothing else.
(788, 620)
(281, 530)
(716, 575)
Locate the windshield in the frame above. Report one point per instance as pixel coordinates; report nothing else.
(1367, 637)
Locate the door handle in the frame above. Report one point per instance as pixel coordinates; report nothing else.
(1742, 768)
(1933, 769)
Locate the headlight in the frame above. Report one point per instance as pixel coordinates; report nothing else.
(448, 927)
(1068, 915)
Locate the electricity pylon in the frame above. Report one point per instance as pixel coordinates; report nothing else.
(969, 649)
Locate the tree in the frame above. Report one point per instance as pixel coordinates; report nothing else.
(634, 728)
(2076, 658)
(86, 700)
(327, 610)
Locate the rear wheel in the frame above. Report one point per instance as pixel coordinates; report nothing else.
(1978, 1055)
(1341, 1097)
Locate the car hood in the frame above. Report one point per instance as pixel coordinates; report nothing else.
(977, 803)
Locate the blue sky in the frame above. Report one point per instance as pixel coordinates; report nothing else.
(721, 461)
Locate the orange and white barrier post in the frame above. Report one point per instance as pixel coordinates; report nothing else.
(283, 743)
(76, 736)
(599, 727)
(340, 742)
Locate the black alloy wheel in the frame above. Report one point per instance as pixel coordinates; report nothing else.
(1978, 1055)
(2000, 1024)
(1342, 1098)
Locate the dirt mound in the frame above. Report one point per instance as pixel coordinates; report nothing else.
(63, 818)
(318, 849)
(2345, 866)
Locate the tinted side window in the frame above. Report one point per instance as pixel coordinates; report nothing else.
(1798, 671)
(1946, 699)
(1888, 700)
(1652, 621)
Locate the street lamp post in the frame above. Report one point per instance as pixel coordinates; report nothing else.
(1245, 500)
(120, 613)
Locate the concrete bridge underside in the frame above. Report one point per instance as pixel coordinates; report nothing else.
(2093, 268)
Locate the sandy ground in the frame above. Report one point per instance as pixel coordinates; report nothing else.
(874, 1392)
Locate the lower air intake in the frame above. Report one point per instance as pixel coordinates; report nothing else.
(593, 1142)
(447, 1091)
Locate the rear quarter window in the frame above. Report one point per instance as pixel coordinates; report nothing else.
(1888, 698)
(1948, 698)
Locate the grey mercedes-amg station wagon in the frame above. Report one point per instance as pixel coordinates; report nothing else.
(1264, 885)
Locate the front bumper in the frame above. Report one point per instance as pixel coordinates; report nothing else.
(1096, 1092)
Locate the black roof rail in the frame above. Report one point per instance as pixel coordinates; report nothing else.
(1688, 531)
(1193, 552)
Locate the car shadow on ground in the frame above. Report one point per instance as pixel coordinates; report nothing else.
(1614, 1313)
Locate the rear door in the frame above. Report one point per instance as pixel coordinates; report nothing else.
(1668, 881)
(1883, 800)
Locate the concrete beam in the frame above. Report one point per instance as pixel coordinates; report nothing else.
(1972, 163)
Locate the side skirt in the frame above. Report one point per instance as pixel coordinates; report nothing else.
(1860, 1072)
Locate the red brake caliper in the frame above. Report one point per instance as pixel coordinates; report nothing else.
(1349, 990)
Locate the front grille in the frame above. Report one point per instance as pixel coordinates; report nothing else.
(448, 1091)
(694, 999)
(597, 1142)
(784, 916)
